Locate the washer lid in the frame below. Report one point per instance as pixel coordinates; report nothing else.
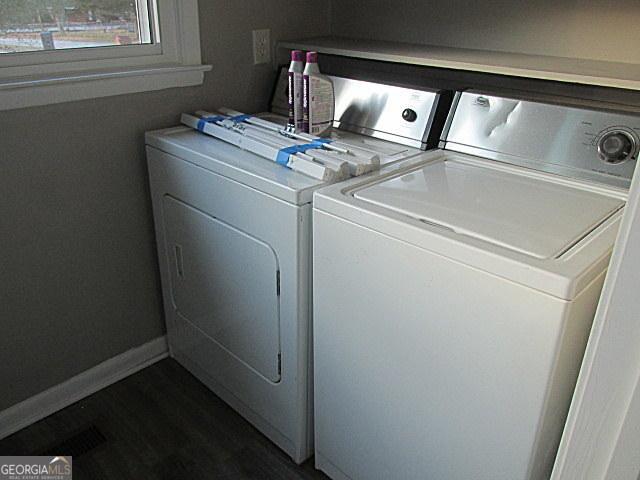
(529, 214)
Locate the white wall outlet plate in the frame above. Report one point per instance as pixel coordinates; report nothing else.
(261, 46)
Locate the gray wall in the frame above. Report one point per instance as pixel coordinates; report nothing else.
(78, 276)
(594, 29)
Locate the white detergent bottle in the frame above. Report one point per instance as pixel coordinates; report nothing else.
(295, 90)
(318, 100)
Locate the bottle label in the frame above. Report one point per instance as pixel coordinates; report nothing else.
(321, 105)
(295, 99)
(305, 104)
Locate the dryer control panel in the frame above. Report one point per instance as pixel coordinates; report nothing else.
(582, 143)
(408, 116)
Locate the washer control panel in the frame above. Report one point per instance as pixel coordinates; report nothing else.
(617, 145)
(576, 142)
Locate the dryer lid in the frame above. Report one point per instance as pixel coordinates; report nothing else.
(527, 213)
(239, 165)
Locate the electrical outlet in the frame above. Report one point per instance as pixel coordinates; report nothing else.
(261, 46)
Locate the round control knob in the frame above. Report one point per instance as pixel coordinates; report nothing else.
(409, 115)
(616, 146)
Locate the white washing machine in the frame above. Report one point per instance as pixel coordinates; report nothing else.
(454, 293)
(234, 245)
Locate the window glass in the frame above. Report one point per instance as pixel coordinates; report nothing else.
(37, 25)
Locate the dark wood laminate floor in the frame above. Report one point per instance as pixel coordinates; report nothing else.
(160, 423)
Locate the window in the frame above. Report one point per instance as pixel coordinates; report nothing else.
(32, 25)
(59, 50)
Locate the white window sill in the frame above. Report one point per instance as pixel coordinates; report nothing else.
(66, 87)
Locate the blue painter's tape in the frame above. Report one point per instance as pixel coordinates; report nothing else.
(240, 118)
(283, 154)
(321, 141)
(204, 120)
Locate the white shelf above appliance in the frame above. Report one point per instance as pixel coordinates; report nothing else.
(571, 70)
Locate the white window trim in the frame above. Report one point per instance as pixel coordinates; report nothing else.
(41, 78)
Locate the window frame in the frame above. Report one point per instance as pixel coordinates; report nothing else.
(174, 62)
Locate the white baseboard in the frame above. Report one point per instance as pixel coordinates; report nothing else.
(82, 385)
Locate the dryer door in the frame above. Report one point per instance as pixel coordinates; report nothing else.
(225, 282)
